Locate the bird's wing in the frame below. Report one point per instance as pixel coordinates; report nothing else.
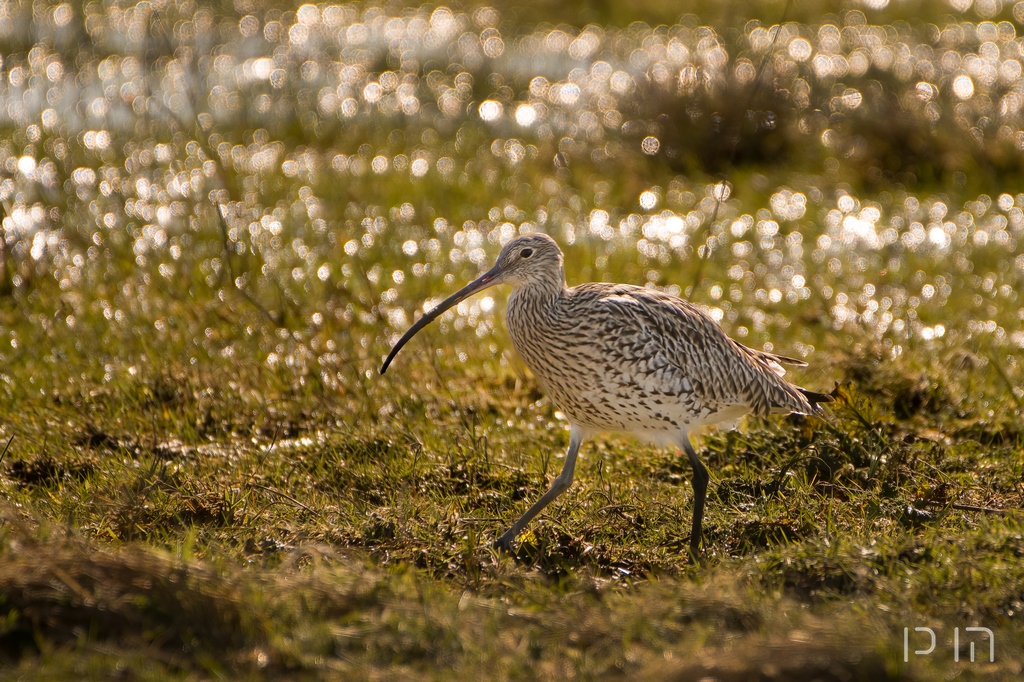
(663, 344)
(669, 346)
(774, 361)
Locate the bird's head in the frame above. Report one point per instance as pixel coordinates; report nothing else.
(530, 261)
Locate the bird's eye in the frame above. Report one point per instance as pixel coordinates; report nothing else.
(526, 253)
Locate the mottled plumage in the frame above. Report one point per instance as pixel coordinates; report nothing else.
(617, 357)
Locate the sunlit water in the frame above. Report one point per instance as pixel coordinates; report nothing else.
(352, 162)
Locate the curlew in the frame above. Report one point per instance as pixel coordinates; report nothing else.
(617, 357)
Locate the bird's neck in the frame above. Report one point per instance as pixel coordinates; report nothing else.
(548, 286)
(531, 300)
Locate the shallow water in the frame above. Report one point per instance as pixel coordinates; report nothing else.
(853, 183)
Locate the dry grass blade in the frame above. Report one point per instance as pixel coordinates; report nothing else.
(64, 590)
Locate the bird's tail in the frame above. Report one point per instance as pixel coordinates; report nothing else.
(815, 398)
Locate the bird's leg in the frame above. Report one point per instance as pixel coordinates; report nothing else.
(700, 491)
(558, 486)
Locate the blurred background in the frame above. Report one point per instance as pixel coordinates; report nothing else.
(278, 189)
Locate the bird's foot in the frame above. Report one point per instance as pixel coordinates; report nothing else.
(694, 555)
(504, 543)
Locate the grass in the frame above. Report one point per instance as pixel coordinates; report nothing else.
(203, 476)
(175, 523)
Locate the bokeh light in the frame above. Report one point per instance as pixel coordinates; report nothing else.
(345, 162)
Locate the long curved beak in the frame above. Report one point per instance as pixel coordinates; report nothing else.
(489, 278)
